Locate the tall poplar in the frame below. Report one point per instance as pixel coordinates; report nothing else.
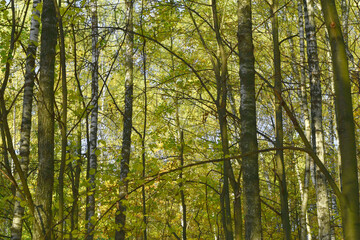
(17, 221)
(248, 138)
(120, 217)
(45, 180)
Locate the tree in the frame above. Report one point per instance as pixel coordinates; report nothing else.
(305, 111)
(345, 123)
(44, 188)
(17, 221)
(248, 123)
(279, 132)
(120, 217)
(316, 120)
(92, 164)
(187, 68)
(62, 123)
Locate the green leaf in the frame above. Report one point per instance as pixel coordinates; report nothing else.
(92, 171)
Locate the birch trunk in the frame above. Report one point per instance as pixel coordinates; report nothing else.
(322, 203)
(45, 181)
(248, 138)
(345, 122)
(17, 222)
(93, 125)
(120, 217)
(306, 116)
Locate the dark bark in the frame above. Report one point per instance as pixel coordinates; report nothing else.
(62, 123)
(93, 135)
(182, 195)
(252, 208)
(77, 171)
(45, 180)
(120, 217)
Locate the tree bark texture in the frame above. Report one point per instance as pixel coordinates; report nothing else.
(45, 180)
(93, 124)
(120, 217)
(322, 203)
(306, 117)
(17, 222)
(248, 138)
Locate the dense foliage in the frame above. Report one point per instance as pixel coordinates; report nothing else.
(184, 57)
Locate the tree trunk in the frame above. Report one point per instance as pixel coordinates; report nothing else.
(75, 187)
(279, 134)
(219, 67)
(44, 188)
(221, 76)
(345, 122)
(238, 221)
(17, 222)
(305, 111)
(322, 204)
(181, 144)
(63, 127)
(93, 125)
(182, 195)
(76, 177)
(120, 217)
(143, 155)
(248, 137)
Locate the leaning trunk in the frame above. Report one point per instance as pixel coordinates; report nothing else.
(279, 134)
(345, 122)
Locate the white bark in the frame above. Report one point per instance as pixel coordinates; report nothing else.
(93, 124)
(322, 204)
(17, 222)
